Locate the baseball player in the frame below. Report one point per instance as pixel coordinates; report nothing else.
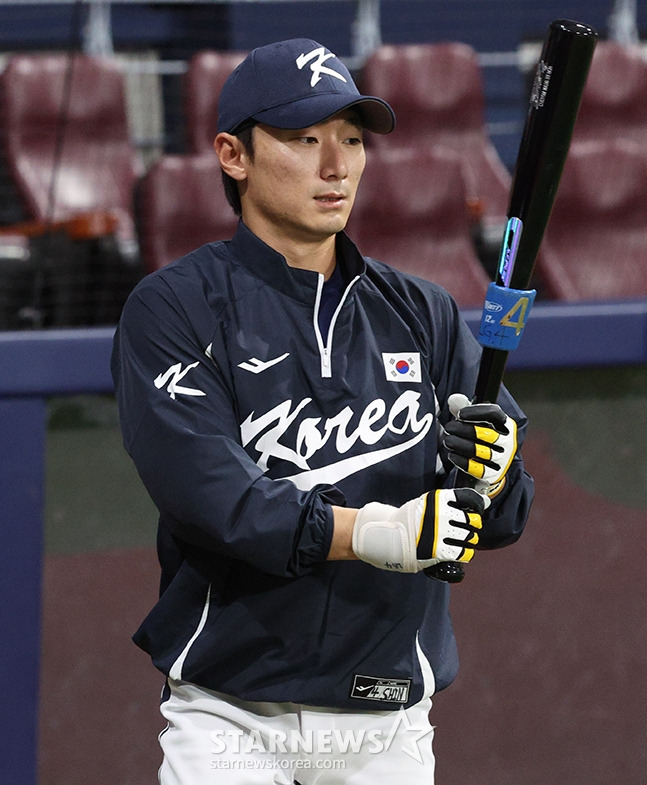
(297, 413)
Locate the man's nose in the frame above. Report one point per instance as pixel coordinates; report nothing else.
(333, 162)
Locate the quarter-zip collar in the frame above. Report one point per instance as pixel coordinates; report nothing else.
(271, 267)
(305, 286)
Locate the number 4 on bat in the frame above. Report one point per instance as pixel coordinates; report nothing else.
(520, 307)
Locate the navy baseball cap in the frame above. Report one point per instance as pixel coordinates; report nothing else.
(296, 84)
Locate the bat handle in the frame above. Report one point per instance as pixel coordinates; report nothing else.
(446, 571)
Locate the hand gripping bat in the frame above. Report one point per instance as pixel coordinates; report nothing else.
(554, 102)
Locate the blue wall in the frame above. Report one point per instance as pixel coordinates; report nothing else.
(488, 25)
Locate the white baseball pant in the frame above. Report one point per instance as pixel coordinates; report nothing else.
(216, 739)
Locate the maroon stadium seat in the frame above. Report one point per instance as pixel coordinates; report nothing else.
(614, 102)
(437, 93)
(411, 213)
(206, 73)
(182, 206)
(68, 156)
(78, 128)
(595, 245)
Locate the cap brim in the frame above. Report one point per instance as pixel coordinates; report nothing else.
(376, 115)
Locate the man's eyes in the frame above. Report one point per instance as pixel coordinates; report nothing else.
(351, 140)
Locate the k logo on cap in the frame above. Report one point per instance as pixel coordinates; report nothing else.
(317, 67)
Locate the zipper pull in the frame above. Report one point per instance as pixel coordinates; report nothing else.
(326, 370)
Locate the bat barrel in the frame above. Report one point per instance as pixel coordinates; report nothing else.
(554, 102)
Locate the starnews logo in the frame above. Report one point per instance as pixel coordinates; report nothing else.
(312, 748)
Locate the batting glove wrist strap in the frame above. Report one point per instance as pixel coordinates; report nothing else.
(482, 441)
(439, 526)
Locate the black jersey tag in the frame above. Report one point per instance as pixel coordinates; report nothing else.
(378, 689)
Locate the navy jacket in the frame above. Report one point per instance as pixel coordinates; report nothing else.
(246, 425)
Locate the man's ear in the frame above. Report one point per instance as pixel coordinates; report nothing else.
(232, 156)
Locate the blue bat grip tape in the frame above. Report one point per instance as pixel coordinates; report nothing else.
(504, 316)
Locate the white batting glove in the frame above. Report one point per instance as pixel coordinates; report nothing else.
(438, 526)
(481, 441)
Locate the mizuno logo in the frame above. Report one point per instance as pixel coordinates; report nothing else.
(318, 67)
(267, 434)
(173, 376)
(253, 365)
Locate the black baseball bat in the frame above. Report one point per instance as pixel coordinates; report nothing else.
(554, 102)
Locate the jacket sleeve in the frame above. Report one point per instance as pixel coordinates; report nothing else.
(506, 517)
(179, 425)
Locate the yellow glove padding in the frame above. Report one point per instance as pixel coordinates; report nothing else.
(482, 441)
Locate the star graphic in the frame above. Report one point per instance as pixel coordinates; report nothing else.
(411, 749)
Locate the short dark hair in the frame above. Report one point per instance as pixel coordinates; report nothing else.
(246, 136)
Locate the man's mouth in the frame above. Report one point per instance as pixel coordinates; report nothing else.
(330, 198)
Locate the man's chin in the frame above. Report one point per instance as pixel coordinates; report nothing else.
(335, 225)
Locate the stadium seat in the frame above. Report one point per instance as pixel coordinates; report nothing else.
(68, 155)
(182, 206)
(595, 245)
(410, 212)
(437, 93)
(614, 101)
(206, 73)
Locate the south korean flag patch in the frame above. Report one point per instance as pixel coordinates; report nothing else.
(402, 366)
